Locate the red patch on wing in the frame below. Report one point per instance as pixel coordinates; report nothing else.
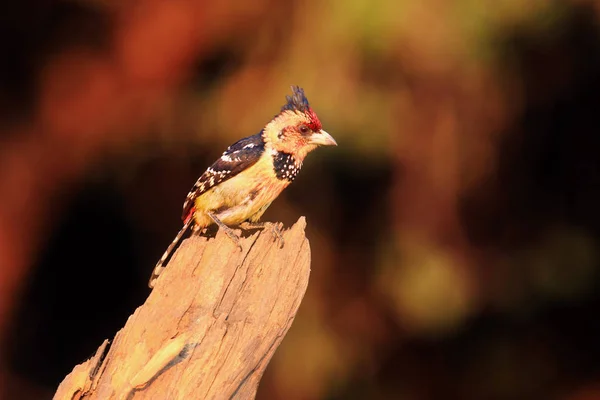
(314, 122)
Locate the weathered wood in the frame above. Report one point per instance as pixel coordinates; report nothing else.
(209, 327)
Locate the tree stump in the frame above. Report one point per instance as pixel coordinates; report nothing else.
(209, 327)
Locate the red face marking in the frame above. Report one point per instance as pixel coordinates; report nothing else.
(314, 122)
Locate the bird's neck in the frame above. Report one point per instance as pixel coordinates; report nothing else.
(285, 165)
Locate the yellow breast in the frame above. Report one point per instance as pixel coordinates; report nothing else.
(241, 197)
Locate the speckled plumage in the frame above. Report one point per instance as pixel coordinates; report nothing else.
(238, 157)
(286, 166)
(252, 172)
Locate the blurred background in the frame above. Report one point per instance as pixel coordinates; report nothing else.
(454, 230)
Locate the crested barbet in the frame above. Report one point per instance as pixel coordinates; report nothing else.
(238, 188)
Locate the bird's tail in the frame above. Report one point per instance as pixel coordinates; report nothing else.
(161, 264)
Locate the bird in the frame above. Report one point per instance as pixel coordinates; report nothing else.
(238, 187)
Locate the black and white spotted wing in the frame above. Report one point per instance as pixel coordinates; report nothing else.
(239, 156)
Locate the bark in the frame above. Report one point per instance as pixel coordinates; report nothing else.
(209, 327)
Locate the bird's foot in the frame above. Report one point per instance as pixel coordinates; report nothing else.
(275, 231)
(228, 231)
(231, 235)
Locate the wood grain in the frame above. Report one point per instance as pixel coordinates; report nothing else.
(210, 326)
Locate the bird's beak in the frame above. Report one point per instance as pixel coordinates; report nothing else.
(322, 138)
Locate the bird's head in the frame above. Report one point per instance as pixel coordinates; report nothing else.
(296, 129)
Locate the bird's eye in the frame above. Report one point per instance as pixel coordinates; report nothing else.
(304, 129)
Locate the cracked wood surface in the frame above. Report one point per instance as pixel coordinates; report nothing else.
(210, 326)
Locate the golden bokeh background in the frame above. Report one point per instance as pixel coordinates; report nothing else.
(454, 230)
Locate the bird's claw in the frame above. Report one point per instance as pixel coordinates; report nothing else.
(234, 238)
(277, 234)
(274, 227)
(228, 231)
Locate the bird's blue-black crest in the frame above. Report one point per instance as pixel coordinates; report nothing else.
(297, 101)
